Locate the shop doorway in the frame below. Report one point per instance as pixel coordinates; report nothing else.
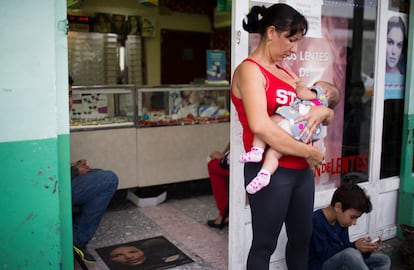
(183, 56)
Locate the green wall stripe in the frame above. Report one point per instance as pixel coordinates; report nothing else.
(31, 202)
(65, 200)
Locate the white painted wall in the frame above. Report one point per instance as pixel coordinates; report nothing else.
(163, 20)
(30, 85)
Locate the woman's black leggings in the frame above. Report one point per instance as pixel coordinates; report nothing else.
(288, 198)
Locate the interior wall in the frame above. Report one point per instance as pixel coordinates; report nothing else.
(164, 19)
(35, 181)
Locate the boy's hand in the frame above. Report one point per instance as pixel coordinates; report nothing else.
(365, 245)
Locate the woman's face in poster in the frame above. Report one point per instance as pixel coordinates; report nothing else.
(133, 21)
(395, 41)
(128, 255)
(102, 19)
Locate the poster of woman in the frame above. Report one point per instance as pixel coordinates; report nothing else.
(148, 254)
(321, 55)
(134, 25)
(324, 59)
(118, 24)
(102, 23)
(395, 54)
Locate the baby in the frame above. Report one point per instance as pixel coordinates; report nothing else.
(321, 93)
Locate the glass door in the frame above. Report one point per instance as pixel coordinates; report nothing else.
(346, 44)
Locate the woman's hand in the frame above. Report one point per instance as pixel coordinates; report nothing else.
(315, 116)
(315, 159)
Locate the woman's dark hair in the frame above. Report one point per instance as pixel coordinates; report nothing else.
(352, 196)
(397, 22)
(283, 17)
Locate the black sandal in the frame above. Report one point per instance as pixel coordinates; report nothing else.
(219, 226)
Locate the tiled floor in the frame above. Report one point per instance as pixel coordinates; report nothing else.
(183, 222)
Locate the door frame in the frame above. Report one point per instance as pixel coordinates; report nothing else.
(383, 192)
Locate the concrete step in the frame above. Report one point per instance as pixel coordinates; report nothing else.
(392, 248)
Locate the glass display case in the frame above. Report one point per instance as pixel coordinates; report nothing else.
(97, 107)
(112, 130)
(182, 105)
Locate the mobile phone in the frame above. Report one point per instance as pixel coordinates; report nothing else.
(376, 239)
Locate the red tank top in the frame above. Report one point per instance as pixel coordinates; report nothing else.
(278, 93)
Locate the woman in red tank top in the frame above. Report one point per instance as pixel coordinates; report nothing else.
(259, 86)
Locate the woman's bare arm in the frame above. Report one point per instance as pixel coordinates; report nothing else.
(303, 92)
(249, 84)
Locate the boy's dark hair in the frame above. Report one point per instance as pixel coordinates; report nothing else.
(352, 196)
(70, 80)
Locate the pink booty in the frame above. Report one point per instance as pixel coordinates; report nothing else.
(259, 182)
(250, 157)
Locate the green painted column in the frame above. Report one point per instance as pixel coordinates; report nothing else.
(35, 194)
(31, 227)
(406, 193)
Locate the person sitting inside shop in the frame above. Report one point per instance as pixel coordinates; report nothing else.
(218, 171)
(92, 190)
